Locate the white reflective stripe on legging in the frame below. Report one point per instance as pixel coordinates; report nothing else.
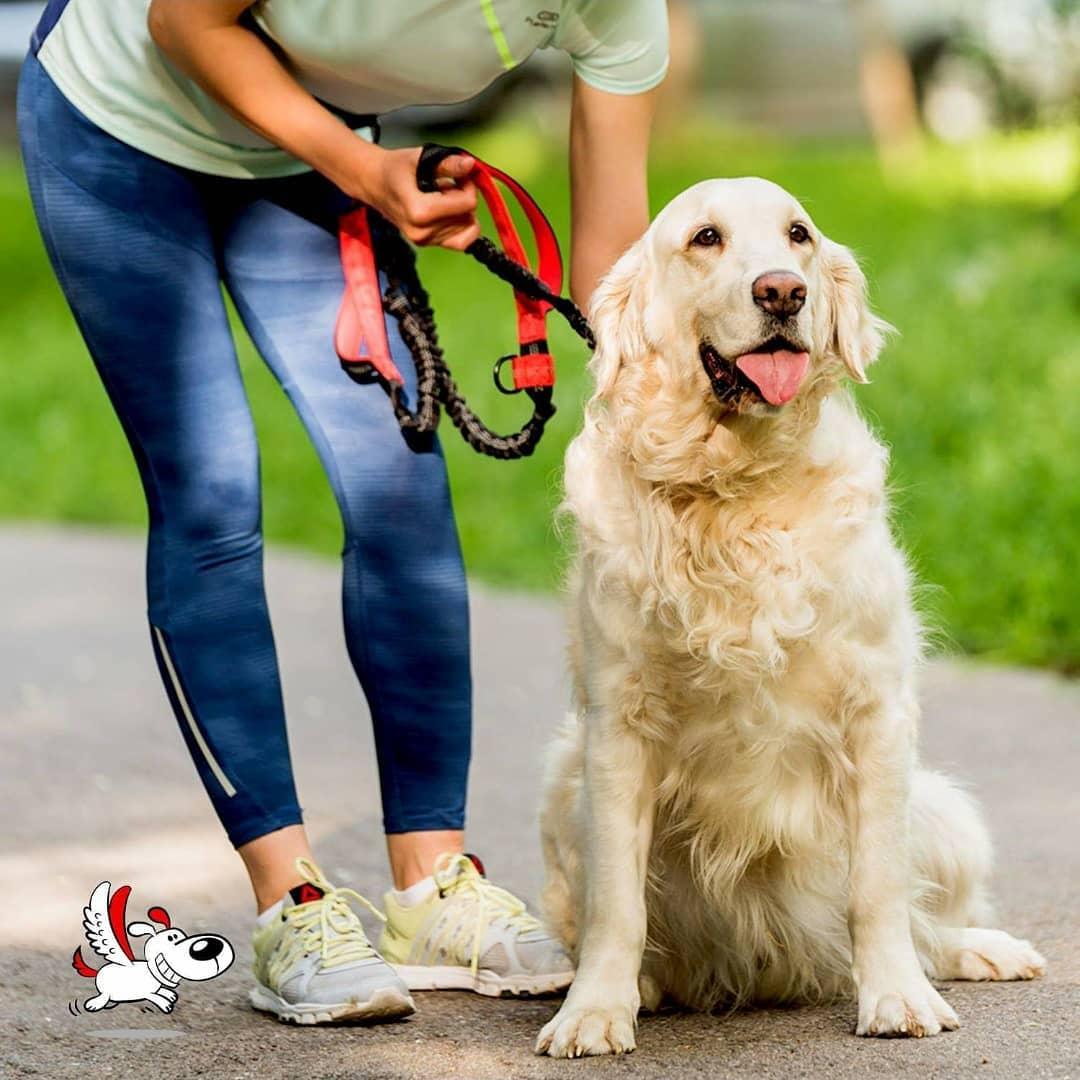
(196, 734)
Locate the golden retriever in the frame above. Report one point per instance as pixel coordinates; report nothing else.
(736, 813)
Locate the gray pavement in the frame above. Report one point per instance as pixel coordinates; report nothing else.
(96, 783)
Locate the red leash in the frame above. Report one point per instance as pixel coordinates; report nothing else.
(360, 334)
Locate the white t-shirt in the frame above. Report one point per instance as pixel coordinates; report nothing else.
(362, 56)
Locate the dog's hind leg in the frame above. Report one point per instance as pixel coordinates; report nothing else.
(952, 858)
(950, 854)
(977, 954)
(101, 1001)
(651, 993)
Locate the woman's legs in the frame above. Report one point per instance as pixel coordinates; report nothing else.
(405, 601)
(131, 245)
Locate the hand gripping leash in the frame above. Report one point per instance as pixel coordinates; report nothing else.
(369, 242)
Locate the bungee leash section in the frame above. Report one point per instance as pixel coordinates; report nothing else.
(368, 242)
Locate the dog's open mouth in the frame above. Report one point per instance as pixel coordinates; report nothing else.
(164, 970)
(772, 371)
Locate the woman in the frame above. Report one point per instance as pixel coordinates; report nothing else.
(176, 146)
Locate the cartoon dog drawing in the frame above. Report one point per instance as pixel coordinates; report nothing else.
(169, 955)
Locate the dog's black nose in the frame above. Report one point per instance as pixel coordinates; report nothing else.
(205, 948)
(780, 293)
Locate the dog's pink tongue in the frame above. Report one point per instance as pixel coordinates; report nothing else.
(778, 375)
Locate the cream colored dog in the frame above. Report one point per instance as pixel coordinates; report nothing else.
(737, 813)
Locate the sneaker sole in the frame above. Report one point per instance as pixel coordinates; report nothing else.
(424, 977)
(384, 1004)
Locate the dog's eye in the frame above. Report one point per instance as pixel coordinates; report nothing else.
(707, 237)
(798, 233)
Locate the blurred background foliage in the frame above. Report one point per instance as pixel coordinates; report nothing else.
(959, 192)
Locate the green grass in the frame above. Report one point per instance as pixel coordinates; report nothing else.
(974, 254)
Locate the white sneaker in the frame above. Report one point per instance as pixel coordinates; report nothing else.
(469, 934)
(314, 963)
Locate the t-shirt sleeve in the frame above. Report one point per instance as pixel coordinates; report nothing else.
(620, 46)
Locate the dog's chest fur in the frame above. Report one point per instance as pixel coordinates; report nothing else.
(752, 631)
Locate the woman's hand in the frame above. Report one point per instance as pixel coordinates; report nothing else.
(446, 218)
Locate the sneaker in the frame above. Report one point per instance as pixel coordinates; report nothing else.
(469, 934)
(314, 963)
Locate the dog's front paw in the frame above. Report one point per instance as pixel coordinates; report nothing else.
(899, 1011)
(584, 1031)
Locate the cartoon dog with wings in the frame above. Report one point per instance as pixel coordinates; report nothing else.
(169, 955)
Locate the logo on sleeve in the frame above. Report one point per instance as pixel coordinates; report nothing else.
(546, 20)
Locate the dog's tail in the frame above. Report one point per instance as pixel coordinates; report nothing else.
(81, 966)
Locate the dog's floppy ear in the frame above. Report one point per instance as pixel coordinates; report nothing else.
(141, 929)
(855, 333)
(160, 915)
(615, 313)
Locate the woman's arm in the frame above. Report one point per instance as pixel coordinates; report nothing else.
(609, 144)
(205, 40)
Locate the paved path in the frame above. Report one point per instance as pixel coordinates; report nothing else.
(96, 783)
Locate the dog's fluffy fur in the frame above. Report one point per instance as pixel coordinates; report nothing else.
(736, 812)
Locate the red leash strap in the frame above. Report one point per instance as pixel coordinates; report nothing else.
(534, 365)
(360, 334)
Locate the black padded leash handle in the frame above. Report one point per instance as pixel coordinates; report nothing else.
(431, 155)
(490, 256)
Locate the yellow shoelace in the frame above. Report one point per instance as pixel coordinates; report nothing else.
(457, 877)
(328, 926)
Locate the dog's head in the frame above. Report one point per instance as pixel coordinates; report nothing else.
(173, 955)
(733, 309)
